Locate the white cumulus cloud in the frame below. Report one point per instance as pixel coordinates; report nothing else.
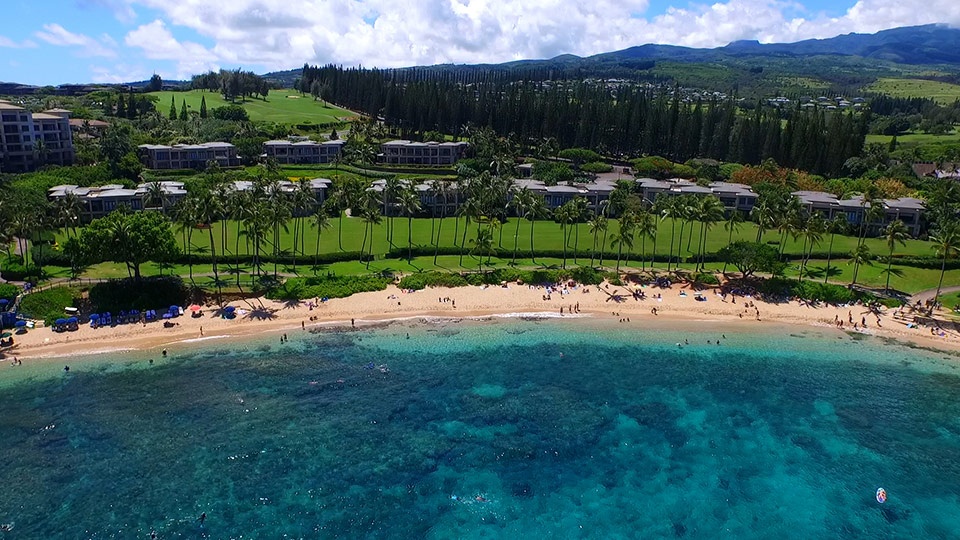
(158, 43)
(276, 34)
(84, 45)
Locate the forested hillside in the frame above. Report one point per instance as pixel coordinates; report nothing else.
(623, 120)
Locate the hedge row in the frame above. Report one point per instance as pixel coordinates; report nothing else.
(581, 274)
(822, 292)
(330, 286)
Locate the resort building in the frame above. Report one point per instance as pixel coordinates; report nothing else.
(853, 210)
(30, 140)
(303, 151)
(97, 202)
(421, 153)
(188, 156)
(319, 188)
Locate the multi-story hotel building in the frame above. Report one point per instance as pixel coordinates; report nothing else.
(302, 151)
(30, 140)
(188, 156)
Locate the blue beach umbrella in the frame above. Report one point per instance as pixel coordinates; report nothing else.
(20, 324)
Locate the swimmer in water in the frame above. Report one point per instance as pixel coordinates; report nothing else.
(203, 517)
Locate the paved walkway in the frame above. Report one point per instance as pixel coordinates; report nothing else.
(928, 294)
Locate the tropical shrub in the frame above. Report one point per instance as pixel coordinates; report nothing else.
(329, 286)
(48, 305)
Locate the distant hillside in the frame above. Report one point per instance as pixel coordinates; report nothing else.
(929, 45)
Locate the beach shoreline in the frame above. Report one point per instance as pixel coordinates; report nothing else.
(619, 304)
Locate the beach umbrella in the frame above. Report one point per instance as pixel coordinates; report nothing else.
(20, 324)
(229, 309)
(4, 301)
(6, 335)
(195, 307)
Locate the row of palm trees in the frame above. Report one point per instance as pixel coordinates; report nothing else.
(485, 200)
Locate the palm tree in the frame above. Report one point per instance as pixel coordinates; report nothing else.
(947, 245)
(812, 235)
(788, 216)
(241, 207)
(68, 210)
(278, 211)
(896, 233)
(321, 220)
(410, 206)
(731, 225)
(668, 209)
(391, 189)
(208, 210)
(339, 200)
(371, 217)
(579, 212)
(604, 208)
(646, 226)
(468, 209)
(521, 202)
(155, 196)
(624, 237)
(836, 225)
(763, 215)
(861, 256)
(709, 210)
(444, 192)
(563, 215)
(536, 210)
(483, 243)
(301, 199)
(186, 218)
(597, 224)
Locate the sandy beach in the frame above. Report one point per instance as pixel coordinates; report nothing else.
(618, 303)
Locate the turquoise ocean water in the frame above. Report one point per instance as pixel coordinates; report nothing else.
(490, 429)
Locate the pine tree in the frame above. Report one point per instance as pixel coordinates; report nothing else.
(121, 107)
(131, 105)
(173, 109)
(203, 106)
(183, 110)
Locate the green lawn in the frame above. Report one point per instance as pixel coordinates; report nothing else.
(941, 92)
(916, 139)
(283, 106)
(547, 237)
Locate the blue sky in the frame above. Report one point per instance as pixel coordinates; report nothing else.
(61, 41)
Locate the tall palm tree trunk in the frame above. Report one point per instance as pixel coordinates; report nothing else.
(826, 272)
(436, 250)
(516, 241)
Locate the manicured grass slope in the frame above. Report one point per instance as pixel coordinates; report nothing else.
(941, 92)
(284, 106)
(547, 237)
